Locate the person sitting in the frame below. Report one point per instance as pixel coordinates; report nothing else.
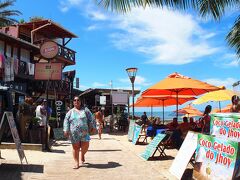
(192, 124)
(172, 125)
(144, 120)
(177, 137)
(235, 104)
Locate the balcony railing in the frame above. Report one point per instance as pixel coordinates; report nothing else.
(62, 87)
(66, 53)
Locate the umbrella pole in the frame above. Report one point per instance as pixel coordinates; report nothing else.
(219, 105)
(151, 111)
(177, 105)
(163, 110)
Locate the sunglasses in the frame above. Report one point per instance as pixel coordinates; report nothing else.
(76, 100)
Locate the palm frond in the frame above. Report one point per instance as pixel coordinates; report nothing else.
(233, 36)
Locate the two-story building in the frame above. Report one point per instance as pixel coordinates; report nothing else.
(20, 51)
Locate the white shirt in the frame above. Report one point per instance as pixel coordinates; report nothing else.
(43, 118)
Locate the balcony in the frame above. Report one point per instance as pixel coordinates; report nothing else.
(60, 87)
(65, 54)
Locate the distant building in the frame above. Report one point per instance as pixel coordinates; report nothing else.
(92, 98)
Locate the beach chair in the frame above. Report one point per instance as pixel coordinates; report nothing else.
(161, 147)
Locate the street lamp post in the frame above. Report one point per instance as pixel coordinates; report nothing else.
(132, 75)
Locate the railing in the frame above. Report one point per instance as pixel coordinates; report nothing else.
(53, 86)
(66, 53)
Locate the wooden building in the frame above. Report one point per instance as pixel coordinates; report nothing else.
(19, 53)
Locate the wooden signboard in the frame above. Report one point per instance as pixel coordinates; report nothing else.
(9, 116)
(184, 155)
(136, 133)
(131, 129)
(151, 148)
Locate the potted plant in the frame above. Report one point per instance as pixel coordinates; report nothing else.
(52, 122)
(34, 131)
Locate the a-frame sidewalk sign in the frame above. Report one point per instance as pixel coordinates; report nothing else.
(9, 116)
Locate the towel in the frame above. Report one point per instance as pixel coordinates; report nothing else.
(30, 68)
(16, 63)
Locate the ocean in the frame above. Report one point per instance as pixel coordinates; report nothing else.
(168, 115)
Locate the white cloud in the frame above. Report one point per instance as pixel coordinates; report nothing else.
(91, 28)
(67, 4)
(166, 37)
(138, 81)
(97, 15)
(228, 82)
(228, 60)
(97, 84)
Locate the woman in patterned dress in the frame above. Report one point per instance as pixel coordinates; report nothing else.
(76, 126)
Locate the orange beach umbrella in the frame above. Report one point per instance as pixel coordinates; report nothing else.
(177, 84)
(163, 101)
(190, 111)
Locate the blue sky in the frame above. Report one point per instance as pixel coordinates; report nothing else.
(156, 41)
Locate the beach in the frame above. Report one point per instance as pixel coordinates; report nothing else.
(112, 157)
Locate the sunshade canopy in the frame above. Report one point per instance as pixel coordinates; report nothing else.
(161, 101)
(178, 84)
(190, 110)
(220, 95)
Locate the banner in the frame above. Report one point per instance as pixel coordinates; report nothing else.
(226, 125)
(216, 158)
(48, 71)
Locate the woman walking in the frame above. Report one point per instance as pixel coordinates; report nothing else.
(77, 124)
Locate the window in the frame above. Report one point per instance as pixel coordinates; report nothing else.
(25, 55)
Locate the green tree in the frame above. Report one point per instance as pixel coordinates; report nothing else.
(206, 8)
(6, 14)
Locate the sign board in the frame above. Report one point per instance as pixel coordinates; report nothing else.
(103, 100)
(49, 49)
(119, 97)
(58, 134)
(226, 125)
(136, 133)
(184, 155)
(216, 158)
(59, 105)
(21, 87)
(13, 128)
(48, 71)
(152, 146)
(131, 129)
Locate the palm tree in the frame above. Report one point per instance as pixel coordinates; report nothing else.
(6, 15)
(212, 8)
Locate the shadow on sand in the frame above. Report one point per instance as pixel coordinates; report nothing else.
(103, 166)
(57, 151)
(14, 171)
(163, 158)
(188, 174)
(104, 150)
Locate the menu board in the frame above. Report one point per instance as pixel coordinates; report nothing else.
(131, 129)
(136, 133)
(226, 125)
(216, 158)
(9, 116)
(151, 148)
(184, 155)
